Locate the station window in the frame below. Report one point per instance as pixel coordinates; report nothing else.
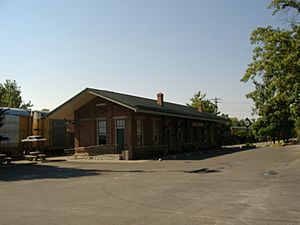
(155, 130)
(139, 132)
(120, 123)
(101, 132)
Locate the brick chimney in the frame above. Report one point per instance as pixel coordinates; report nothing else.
(160, 99)
(200, 108)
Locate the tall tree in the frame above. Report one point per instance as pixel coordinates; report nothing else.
(290, 7)
(275, 72)
(223, 129)
(10, 95)
(199, 99)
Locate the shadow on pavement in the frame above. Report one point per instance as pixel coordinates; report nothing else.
(205, 170)
(18, 172)
(205, 154)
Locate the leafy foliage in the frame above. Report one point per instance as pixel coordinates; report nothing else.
(275, 72)
(199, 100)
(10, 95)
(223, 129)
(239, 133)
(289, 7)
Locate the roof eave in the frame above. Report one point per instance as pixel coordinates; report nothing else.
(54, 114)
(179, 115)
(54, 111)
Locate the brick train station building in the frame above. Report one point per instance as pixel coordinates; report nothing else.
(107, 122)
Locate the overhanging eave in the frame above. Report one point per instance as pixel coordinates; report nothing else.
(67, 109)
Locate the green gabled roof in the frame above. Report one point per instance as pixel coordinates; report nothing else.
(145, 105)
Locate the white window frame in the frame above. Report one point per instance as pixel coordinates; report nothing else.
(139, 133)
(99, 132)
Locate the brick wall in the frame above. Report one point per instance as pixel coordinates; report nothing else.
(86, 122)
(182, 134)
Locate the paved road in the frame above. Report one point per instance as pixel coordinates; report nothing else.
(257, 187)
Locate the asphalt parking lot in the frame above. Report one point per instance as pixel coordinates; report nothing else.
(259, 187)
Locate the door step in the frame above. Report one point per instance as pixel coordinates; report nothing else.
(108, 157)
(98, 157)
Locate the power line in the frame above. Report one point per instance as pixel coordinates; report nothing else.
(237, 103)
(217, 101)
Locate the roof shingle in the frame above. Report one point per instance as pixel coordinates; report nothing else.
(140, 104)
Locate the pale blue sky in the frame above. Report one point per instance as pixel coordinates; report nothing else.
(56, 48)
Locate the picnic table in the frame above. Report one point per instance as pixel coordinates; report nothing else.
(35, 156)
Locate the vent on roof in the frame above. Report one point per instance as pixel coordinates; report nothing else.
(160, 99)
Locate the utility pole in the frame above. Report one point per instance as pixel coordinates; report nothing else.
(217, 101)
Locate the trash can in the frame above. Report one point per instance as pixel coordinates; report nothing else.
(127, 154)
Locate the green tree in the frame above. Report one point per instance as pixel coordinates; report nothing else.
(199, 100)
(289, 7)
(275, 72)
(10, 96)
(223, 129)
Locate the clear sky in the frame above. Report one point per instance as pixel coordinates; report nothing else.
(56, 48)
